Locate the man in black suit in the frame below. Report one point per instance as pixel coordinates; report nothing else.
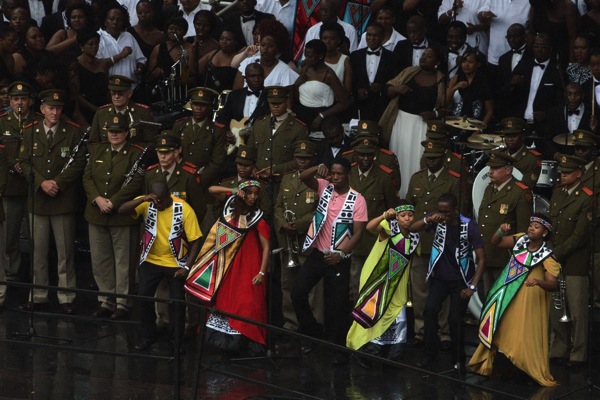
(335, 143)
(456, 38)
(515, 36)
(587, 85)
(372, 68)
(410, 50)
(537, 86)
(250, 102)
(246, 19)
(576, 114)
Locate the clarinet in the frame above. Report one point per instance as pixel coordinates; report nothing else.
(134, 168)
(76, 150)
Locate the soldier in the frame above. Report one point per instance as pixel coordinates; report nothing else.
(505, 200)
(274, 134)
(48, 157)
(383, 156)
(181, 178)
(245, 162)
(374, 182)
(437, 131)
(120, 96)
(424, 190)
(585, 143)
(112, 236)
(302, 201)
(16, 189)
(528, 161)
(203, 143)
(571, 214)
(3, 180)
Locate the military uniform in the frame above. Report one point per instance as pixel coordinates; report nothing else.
(47, 159)
(105, 114)
(16, 189)
(571, 214)
(380, 194)
(112, 236)
(3, 180)
(529, 163)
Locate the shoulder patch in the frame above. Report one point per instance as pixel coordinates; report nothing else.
(290, 172)
(385, 169)
(219, 125)
(386, 151)
(354, 164)
(521, 185)
(587, 190)
(180, 119)
(189, 168)
(535, 152)
(31, 124)
(152, 167)
(456, 155)
(454, 173)
(142, 105)
(263, 117)
(2, 146)
(72, 123)
(106, 105)
(138, 146)
(300, 122)
(4, 114)
(348, 152)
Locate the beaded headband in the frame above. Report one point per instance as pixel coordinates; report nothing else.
(542, 221)
(246, 184)
(406, 207)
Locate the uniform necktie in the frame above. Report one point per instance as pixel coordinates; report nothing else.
(49, 135)
(166, 175)
(114, 153)
(361, 177)
(431, 178)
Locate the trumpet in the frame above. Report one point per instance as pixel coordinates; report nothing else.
(292, 246)
(221, 100)
(409, 302)
(559, 298)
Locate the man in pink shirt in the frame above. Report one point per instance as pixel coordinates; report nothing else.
(337, 228)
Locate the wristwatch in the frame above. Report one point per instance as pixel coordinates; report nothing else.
(472, 287)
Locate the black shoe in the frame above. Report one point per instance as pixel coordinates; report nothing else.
(445, 345)
(101, 312)
(340, 359)
(143, 344)
(425, 361)
(119, 314)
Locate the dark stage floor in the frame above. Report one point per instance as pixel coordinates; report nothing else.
(85, 368)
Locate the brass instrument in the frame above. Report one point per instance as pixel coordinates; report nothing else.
(221, 100)
(559, 298)
(409, 302)
(292, 246)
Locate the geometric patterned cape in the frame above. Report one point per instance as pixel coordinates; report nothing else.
(217, 254)
(507, 285)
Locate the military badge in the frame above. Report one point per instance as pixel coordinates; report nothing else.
(503, 208)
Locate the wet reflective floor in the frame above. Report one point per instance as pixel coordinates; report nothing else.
(79, 361)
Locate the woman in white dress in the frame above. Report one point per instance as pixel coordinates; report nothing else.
(332, 35)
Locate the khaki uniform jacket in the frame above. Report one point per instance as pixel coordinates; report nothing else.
(48, 161)
(424, 196)
(105, 115)
(16, 184)
(181, 184)
(512, 205)
(571, 216)
(295, 196)
(386, 158)
(3, 178)
(278, 145)
(529, 163)
(380, 195)
(591, 176)
(104, 176)
(204, 148)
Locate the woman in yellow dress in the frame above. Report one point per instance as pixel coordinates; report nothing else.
(379, 326)
(514, 319)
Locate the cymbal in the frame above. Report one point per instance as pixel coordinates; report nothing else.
(565, 140)
(466, 124)
(481, 146)
(486, 138)
(188, 106)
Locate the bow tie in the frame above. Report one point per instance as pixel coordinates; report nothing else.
(419, 47)
(453, 52)
(374, 53)
(574, 112)
(251, 93)
(596, 83)
(250, 18)
(520, 51)
(542, 66)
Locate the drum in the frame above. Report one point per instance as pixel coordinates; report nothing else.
(548, 174)
(481, 182)
(541, 205)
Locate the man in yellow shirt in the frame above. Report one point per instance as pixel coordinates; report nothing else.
(169, 247)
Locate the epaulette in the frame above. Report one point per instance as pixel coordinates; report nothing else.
(180, 119)
(456, 155)
(263, 117)
(587, 190)
(454, 173)
(521, 185)
(190, 169)
(347, 152)
(385, 169)
(219, 125)
(290, 172)
(535, 152)
(106, 105)
(301, 123)
(386, 151)
(72, 123)
(419, 171)
(191, 164)
(4, 114)
(31, 124)
(138, 146)
(2, 146)
(145, 107)
(354, 164)
(152, 167)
